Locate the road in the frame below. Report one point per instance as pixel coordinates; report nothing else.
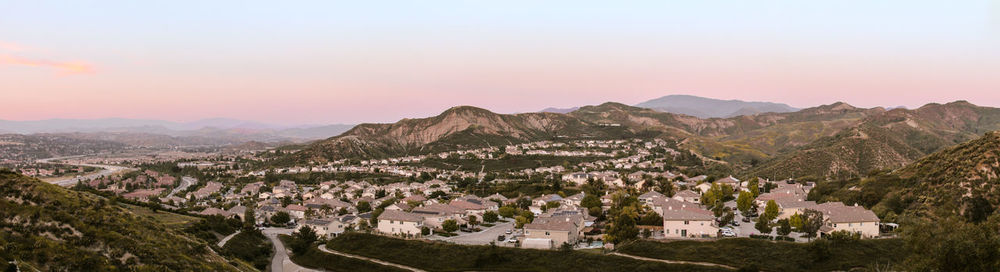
(483, 237)
(185, 183)
(322, 247)
(66, 182)
(281, 262)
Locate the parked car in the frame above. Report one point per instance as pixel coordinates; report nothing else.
(501, 238)
(736, 223)
(512, 240)
(509, 232)
(728, 233)
(746, 219)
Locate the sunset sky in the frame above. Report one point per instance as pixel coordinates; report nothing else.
(318, 62)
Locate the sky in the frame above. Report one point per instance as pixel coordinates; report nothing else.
(322, 62)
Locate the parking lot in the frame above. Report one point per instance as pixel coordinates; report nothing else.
(485, 236)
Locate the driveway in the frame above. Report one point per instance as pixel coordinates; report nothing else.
(281, 262)
(483, 237)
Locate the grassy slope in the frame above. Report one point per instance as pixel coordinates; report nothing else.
(317, 259)
(52, 228)
(449, 257)
(774, 256)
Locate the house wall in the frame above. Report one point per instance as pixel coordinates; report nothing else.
(557, 237)
(867, 229)
(399, 227)
(694, 228)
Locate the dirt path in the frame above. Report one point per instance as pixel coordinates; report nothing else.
(324, 249)
(226, 239)
(673, 262)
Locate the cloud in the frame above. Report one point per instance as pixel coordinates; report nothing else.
(11, 47)
(8, 56)
(63, 67)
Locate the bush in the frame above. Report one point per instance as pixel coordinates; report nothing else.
(774, 256)
(250, 246)
(316, 259)
(437, 256)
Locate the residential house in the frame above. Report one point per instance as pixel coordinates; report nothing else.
(326, 228)
(688, 196)
(400, 223)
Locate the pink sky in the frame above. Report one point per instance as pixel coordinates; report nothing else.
(311, 69)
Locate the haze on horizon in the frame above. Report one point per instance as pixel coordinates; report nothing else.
(320, 62)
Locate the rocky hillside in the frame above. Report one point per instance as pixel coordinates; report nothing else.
(887, 140)
(49, 228)
(836, 140)
(458, 127)
(961, 180)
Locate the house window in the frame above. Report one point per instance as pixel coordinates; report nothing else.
(546, 233)
(850, 224)
(686, 222)
(391, 222)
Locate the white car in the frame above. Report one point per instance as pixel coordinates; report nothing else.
(728, 233)
(512, 240)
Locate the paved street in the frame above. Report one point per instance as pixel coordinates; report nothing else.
(281, 262)
(185, 183)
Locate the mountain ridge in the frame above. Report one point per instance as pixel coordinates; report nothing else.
(703, 107)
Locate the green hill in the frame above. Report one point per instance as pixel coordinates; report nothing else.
(50, 228)
(958, 181)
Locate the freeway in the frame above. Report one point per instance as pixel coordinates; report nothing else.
(107, 170)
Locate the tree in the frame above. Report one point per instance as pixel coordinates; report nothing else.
(651, 219)
(520, 221)
(812, 220)
(771, 210)
(523, 203)
(978, 209)
(281, 218)
(950, 244)
(795, 221)
(507, 211)
(472, 220)
(595, 211)
(566, 247)
(302, 240)
(762, 225)
(425, 231)
(364, 206)
(646, 233)
(449, 225)
(754, 186)
(744, 201)
(727, 218)
(490, 217)
(622, 228)
(784, 227)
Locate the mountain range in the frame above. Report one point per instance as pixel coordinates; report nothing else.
(836, 140)
(702, 107)
(206, 131)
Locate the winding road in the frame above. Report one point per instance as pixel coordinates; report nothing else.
(281, 262)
